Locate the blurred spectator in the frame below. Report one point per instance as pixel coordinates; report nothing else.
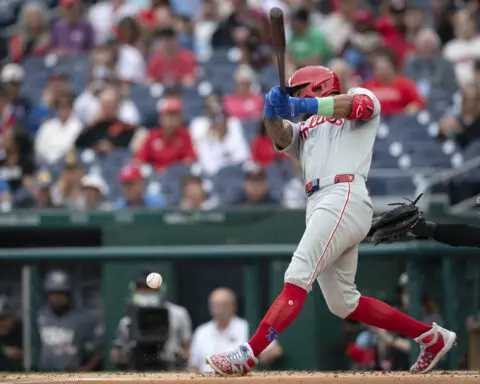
(307, 44)
(33, 37)
(157, 16)
(195, 196)
(11, 337)
(223, 332)
(72, 33)
(17, 164)
(235, 29)
(129, 32)
(56, 136)
(5, 197)
(105, 14)
(57, 84)
(149, 315)
(134, 191)
(345, 74)
(218, 141)
(245, 102)
(465, 126)
(170, 64)
(205, 25)
(465, 48)
(391, 25)
(7, 112)
(184, 29)
(67, 191)
(70, 339)
(171, 142)
(441, 13)
(431, 72)
(294, 196)
(430, 311)
(123, 61)
(338, 26)
(396, 93)
(414, 20)
(87, 105)
(362, 43)
(95, 193)
(12, 77)
(255, 188)
(42, 190)
(107, 131)
(263, 152)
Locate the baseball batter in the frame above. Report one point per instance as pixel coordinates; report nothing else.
(334, 144)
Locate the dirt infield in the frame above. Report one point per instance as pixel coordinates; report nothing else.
(258, 378)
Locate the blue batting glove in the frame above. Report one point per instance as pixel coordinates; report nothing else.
(277, 98)
(268, 110)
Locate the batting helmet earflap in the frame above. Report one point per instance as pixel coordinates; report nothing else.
(315, 81)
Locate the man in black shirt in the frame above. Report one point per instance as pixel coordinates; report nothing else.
(11, 340)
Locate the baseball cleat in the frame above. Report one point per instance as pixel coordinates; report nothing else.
(434, 344)
(237, 362)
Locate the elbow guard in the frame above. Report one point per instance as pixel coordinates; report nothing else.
(362, 108)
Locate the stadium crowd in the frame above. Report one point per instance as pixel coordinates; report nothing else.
(158, 103)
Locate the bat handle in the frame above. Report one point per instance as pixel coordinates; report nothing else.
(282, 88)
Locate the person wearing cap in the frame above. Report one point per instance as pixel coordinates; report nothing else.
(134, 190)
(106, 130)
(56, 137)
(72, 33)
(67, 190)
(170, 143)
(11, 337)
(170, 64)
(71, 339)
(245, 103)
(255, 188)
(12, 77)
(307, 44)
(218, 140)
(95, 193)
(176, 349)
(104, 15)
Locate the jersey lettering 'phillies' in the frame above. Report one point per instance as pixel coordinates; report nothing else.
(329, 146)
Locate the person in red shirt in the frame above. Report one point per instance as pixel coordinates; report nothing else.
(397, 94)
(169, 144)
(244, 103)
(171, 64)
(263, 152)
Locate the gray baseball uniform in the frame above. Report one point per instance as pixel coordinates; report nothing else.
(339, 214)
(67, 340)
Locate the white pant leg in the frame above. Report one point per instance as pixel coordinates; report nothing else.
(339, 221)
(338, 284)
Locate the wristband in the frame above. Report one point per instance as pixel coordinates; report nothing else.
(322, 106)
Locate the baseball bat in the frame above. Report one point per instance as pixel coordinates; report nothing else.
(278, 34)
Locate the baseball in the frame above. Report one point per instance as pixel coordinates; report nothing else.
(154, 280)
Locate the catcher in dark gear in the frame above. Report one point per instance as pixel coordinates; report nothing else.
(407, 221)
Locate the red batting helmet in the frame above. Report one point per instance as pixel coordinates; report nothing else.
(315, 81)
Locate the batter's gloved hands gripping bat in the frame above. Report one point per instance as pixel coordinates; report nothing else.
(286, 106)
(396, 224)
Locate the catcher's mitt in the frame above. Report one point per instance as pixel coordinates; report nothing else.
(395, 224)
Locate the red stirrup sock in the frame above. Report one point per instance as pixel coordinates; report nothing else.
(281, 314)
(381, 315)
